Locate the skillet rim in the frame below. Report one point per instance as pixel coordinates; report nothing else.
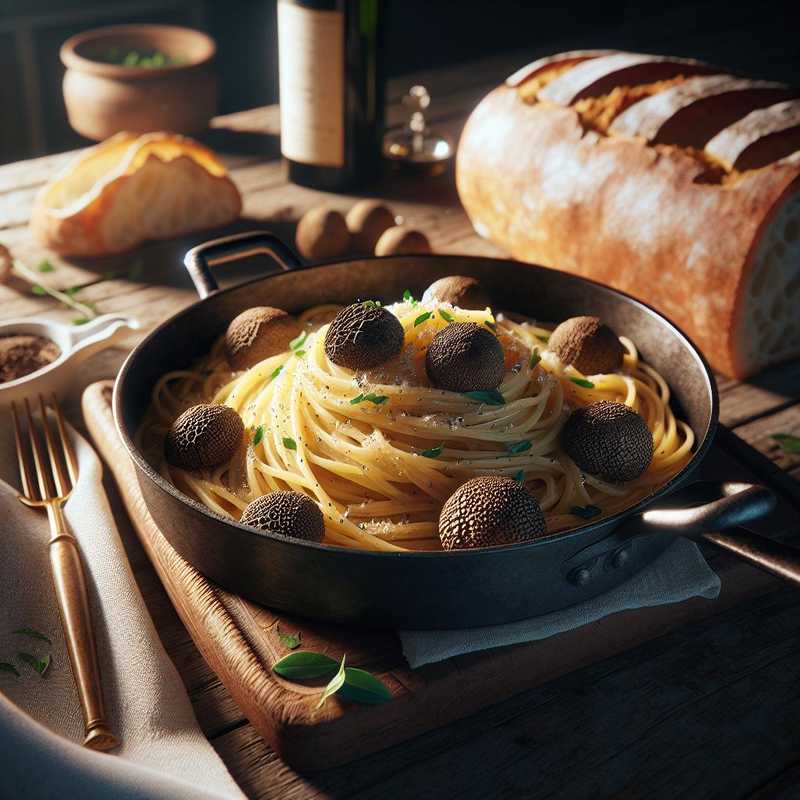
(612, 522)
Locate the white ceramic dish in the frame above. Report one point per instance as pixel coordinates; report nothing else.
(76, 344)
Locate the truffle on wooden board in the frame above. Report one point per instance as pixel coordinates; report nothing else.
(258, 333)
(587, 344)
(322, 233)
(490, 510)
(363, 335)
(204, 436)
(608, 440)
(464, 357)
(287, 514)
(366, 221)
(458, 290)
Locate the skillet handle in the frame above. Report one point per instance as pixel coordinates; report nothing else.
(199, 260)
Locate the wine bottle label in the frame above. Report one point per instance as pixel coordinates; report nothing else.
(311, 63)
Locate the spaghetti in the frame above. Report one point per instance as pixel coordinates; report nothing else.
(380, 451)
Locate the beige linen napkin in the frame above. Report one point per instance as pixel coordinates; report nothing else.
(163, 752)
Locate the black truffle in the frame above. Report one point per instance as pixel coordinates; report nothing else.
(587, 344)
(608, 440)
(464, 357)
(258, 333)
(458, 290)
(203, 436)
(490, 510)
(286, 513)
(362, 336)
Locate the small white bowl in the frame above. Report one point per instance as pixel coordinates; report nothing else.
(76, 344)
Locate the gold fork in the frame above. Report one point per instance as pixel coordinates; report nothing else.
(65, 559)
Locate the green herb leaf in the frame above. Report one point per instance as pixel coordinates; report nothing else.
(259, 435)
(543, 337)
(359, 398)
(582, 382)
(409, 298)
(520, 447)
(535, 358)
(290, 640)
(45, 266)
(787, 442)
(33, 634)
(520, 477)
(371, 303)
(6, 667)
(38, 290)
(289, 443)
(276, 372)
(585, 512)
(298, 340)
(491, 397)
(433, 452)
(376, 398)
(422, 318)
(336, 683)
(363, 687)
(80, 320)
(300, 353)
(39, 664)
(446, 315)
(305, 665)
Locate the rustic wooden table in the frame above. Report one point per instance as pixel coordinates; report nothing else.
(550, 741)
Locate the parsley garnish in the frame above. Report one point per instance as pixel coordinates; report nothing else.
(491, 397)
(259, 435)
(289, 443)
(39, 664)
(433, 452)
(445, 315)
(291, 641)
(45, 266)
(373, 398)
(520, 447)
(422, 318)
(298, 340)
(585, 512)
(38, 290)
(535, 358)
(787, 442)
(276, 372)
(582, 382)
(80, 320)
(409, 298)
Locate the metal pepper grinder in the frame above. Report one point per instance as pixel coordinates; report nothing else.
(417, 148)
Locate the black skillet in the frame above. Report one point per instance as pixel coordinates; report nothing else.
(459, 589)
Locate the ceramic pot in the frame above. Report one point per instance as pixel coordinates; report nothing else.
(103, 98)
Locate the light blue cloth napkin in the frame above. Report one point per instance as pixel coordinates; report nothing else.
(679, 573)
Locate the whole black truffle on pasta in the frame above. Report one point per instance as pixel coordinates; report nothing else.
(465, 357)
(292, 514)
(490, 510)
(458, 290)
(204, 436)
(608, 440)
(588, 345)
(362, 336)
(258, 333)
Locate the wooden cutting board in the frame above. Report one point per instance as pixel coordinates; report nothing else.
(240, 639)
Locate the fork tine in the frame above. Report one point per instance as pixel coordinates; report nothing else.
(46, 488)
(69, 453)
(28, 489)
(63, 486)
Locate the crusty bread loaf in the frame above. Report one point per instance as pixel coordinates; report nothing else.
(664, 177)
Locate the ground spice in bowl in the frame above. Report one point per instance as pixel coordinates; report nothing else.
(24, 353)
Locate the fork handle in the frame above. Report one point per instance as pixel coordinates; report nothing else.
(69, 581)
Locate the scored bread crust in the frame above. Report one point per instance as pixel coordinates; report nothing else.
(617, 210)
(131, 189)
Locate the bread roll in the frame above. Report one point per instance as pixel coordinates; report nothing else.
(663, 177)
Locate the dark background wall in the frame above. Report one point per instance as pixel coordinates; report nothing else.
(761, 38)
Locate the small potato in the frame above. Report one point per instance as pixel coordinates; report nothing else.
(366, 221)
(401, 240)
(322, 233)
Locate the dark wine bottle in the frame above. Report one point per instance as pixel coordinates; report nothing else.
(331, 91)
